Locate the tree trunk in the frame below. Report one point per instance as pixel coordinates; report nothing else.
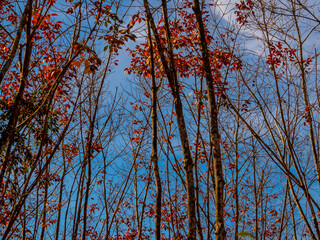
(154, 153)
(214, 131)
(171, 73)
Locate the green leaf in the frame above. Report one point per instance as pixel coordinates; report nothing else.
(106, 48)
(246, 234)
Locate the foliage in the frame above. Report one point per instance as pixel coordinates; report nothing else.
(81, 161)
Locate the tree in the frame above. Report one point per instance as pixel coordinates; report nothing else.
(214, 135)
(41, 92)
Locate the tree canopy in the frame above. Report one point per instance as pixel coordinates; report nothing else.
(181, 119)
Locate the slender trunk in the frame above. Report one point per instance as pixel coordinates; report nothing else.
(200, 234)
(214, 131)
(171, 73)
(236, 184)
(292, 216)
(44, 211)
(283, 211)
(136, 201)
(60, 199)
(154, 151)
(256, 200)
(85, 207)
(79, 199)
